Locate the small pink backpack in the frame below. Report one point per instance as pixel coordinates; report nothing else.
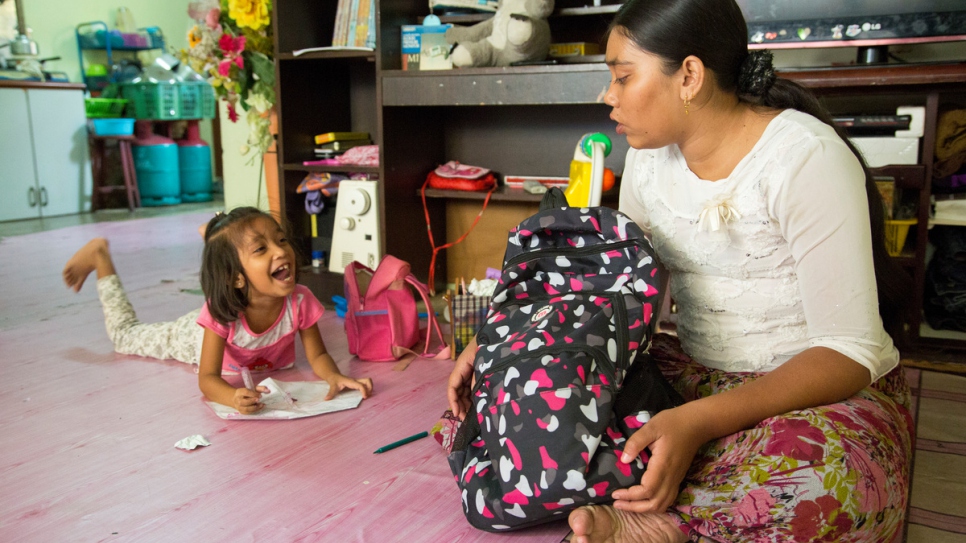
(381, 320)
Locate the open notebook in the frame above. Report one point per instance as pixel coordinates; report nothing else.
(292, 400)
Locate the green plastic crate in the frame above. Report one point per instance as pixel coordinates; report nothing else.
(157, 101)
(170, 101)
(197, 100)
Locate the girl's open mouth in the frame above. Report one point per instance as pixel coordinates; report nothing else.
(282, 273)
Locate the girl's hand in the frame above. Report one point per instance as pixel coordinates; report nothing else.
(339, 382)
(673, 439)
(461, 382)
(248, 401)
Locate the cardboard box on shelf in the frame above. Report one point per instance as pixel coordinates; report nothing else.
(424, 47)
(573, 49)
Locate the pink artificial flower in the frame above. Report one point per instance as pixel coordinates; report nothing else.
(240, 62)
(232, 114)
(224, 68)
(231, 46)
(211, 19)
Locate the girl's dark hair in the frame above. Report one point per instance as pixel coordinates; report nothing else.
(715, 32)
(221, 266)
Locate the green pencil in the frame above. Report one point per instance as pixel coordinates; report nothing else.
(403, 441)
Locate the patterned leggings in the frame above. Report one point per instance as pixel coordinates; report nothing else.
(830, 473)
(179, 339)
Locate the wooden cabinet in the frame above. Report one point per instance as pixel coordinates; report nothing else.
(519, 121)
(44, 156)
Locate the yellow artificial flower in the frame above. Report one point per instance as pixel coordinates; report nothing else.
(253, 14)
(194, 37)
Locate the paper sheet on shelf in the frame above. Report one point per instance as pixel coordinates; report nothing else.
(292, 400)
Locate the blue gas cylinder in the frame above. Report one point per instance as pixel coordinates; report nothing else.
(194, 164)
(156, 163)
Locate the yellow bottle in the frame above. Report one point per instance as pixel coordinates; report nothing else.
(583, 190)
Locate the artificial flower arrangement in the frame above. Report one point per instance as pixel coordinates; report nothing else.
(231, 46)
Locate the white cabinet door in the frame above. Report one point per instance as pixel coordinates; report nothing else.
(60, 144)
(19, 195)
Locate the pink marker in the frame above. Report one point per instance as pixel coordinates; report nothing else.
(247, 378)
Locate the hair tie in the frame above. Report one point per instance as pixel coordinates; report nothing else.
(757, 74)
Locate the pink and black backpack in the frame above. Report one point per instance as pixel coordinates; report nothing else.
(562, 374)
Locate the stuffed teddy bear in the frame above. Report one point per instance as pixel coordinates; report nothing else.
(518, 31)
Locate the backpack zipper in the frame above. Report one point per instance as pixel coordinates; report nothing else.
(598, 354)
(620, 322)
(576, 251)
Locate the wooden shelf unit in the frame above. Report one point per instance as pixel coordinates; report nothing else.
(516, 120)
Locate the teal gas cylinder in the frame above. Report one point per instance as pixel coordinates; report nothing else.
(194, 166)
(156, 163)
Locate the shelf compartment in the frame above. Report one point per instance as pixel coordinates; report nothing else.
(505, 194)
(522, 85)
(325, 53)
(298, 167)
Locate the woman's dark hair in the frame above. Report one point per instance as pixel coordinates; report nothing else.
(221, 266)
(715, 32)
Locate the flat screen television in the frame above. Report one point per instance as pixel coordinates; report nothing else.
(871, 25)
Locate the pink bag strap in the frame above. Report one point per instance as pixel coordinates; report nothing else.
(351, 282)
(442, 349)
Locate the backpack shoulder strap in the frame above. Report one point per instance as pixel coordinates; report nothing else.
(442, 349)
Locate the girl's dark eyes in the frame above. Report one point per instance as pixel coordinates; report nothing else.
(621, 80)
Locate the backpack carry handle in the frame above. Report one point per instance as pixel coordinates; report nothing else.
(444, 348)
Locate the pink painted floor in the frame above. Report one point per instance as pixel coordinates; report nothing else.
(88, 435)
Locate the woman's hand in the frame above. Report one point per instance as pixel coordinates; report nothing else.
(461, 381)
(673, 437)
(338, 383)
(248, 401)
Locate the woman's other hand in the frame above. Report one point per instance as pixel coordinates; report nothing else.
(461, 381)
(673, 438)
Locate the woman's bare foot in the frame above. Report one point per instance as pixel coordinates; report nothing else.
(96, 255)
(604, 524)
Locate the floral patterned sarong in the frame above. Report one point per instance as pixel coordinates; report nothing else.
(836, 472)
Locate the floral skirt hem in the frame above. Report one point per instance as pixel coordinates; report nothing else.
(836, 472)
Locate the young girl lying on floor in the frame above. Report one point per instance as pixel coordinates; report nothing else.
(253, 309)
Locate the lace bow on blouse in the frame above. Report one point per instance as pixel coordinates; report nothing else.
(717, 213)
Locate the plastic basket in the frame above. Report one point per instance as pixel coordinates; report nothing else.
(896, 231)
(197, 100)
(113, 127)
(104, 107)
(467, 314)
(156, 101)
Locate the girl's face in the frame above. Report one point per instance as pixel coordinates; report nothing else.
(646, 102)
(268, 260)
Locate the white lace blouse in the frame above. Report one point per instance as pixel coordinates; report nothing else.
(773, 259)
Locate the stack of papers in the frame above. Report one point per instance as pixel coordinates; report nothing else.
(292, 400)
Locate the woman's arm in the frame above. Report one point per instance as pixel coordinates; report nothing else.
(324, 366)
(816, 376)
(217, 389)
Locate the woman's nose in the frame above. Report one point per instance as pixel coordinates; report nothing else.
(610, 97)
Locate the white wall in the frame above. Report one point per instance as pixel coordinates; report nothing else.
(52, 24)
(242, 182)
